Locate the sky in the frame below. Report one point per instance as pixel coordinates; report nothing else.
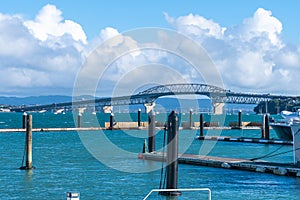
(45, 45)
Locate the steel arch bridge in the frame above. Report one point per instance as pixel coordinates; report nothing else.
(216, 94)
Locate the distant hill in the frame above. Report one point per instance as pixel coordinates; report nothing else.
(33, 100)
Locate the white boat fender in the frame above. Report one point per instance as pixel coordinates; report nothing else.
(226, 165)
(260, 169)
(280, 171)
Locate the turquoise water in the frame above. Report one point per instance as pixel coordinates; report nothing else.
(63, 163)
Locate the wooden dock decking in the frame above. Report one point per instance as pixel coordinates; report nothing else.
(119, 127)
(230, 163)
(51, 129)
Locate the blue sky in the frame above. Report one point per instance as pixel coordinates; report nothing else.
(255, 44)
(94, 15)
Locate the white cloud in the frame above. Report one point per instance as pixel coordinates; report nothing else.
(31, 65)
(46, 53)
(49, 22)
(251, 56)
(196, 25)
(108, 33)
(261, 23)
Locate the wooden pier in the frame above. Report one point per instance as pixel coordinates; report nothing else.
(229, 163)
(116, 126)
(51, 129)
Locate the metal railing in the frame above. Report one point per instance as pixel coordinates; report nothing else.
(181, 190)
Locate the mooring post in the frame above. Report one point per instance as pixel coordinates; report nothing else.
(172, 155)
(24, 117)
(267, 127)
(29, 142)
(240, 119)
(191, 118)
(111, 121)
(263, 130)
(79, 120)
(151, 132)
(139, 117)
(201, 125)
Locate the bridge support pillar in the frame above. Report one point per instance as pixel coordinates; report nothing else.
(218, 108)
(149, 107)
(107, 109)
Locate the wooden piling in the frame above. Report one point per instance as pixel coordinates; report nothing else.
(191, 119)
(29, 142)
(79, 120)
(24, 117)
(151, 132)
(201, 125)
(263, 127)
(139, 117)
(172, 156)
(265, 132)
(267, 127)
(240, 119)
(111, 121)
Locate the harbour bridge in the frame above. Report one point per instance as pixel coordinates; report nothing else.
(218, 96)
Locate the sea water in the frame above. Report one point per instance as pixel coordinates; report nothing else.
(64, 162)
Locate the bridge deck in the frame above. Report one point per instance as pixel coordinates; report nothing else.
(216, 94)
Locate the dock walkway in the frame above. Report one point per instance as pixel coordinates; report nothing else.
(230, 163)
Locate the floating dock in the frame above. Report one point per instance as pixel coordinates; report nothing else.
(247, 140)
(229, 163)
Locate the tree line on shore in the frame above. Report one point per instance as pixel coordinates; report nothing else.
(276, 106)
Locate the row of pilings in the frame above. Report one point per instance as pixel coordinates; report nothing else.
(27, 124)
(265, 125)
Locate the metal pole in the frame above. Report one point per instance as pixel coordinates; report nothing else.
(172, 155)
(151, 131)
(29, 142)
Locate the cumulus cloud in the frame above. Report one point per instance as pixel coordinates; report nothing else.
(261, 23)
(251, 56)
(196, 25)
(35, 59)
(46, 53)
(49, 22)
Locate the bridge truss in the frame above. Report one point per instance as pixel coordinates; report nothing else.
(216, 94)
